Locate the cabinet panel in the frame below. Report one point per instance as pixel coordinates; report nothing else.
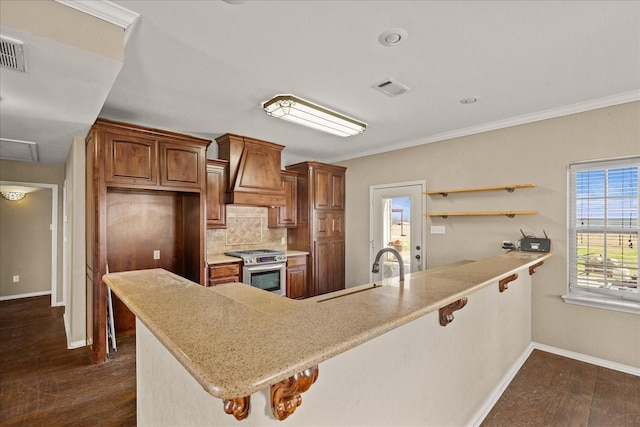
(337, 191)
(287, 215)
(297, 282)
(297, 277)
(329, 224)
(328, 268)
(322, 189)
(216, 187)
(180, 165)
(130, 160)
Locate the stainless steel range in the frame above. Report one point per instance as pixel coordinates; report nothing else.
(264, 269)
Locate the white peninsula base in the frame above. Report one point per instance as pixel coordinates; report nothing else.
(420, 373)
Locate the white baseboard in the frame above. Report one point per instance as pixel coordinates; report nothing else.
(493, 397)
(72, 344)
(31, 294)
(76, 344)
(495, 394)
(588, 359)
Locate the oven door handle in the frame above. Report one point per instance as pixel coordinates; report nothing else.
(265, 267)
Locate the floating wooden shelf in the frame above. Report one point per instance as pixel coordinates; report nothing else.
(509, 188)
(509, 214)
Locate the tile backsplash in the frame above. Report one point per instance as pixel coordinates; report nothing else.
(247, 228)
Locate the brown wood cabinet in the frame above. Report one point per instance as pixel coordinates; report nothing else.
(297, 276)
(145, 204)
(224, 273)
(287, 215)
(320, 228)
(216, 188)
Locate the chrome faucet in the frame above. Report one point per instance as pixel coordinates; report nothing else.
(376, 263)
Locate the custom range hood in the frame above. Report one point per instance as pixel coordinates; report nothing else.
(253, 175)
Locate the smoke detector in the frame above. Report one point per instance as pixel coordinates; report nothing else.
(391, 87)
(11, 54)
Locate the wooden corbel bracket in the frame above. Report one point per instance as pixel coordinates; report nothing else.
(238, 407)
(285, 395)
(532, 269)
(503, 284)
(446, 312)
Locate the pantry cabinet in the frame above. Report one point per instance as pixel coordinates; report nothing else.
(145, 204)
(320, 226)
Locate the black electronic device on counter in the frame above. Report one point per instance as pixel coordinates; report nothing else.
(535, 244)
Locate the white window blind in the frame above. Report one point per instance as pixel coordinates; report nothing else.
(603, 230)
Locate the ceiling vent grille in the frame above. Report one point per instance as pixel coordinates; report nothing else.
(11, 54)
(391, 87)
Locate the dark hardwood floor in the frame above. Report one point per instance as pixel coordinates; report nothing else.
(551, 390)
(43, 383)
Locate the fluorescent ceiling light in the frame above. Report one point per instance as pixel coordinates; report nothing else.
(296, 110)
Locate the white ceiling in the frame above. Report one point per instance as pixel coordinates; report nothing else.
(204, 68)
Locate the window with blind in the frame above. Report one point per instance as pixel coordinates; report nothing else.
(603, 234)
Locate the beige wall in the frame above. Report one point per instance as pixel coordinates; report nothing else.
(66, 25)
(44, 174)
(535, 153)
(25, 244)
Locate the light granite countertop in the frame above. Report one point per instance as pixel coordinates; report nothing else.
(222, 258)
(236, 340)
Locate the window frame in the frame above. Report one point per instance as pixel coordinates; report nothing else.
(626, 301)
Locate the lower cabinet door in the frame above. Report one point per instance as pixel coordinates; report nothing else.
(328, 266)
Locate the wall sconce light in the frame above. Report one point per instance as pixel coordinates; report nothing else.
(302, 112)
(14, 196)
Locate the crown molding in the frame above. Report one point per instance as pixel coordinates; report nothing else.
(580, 107)
(107, 11)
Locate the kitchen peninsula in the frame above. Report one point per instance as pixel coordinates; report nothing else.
(391, 353)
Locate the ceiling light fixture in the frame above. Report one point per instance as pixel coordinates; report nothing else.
(392, 37)
(306, 113)
(13, 196)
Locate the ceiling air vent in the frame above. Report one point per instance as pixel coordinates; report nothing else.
(11, 54)
(391, 87)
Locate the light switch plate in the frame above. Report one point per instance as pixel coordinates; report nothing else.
(437, 229)
(156, 254)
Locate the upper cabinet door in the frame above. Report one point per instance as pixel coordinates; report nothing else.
(287, 215)
(130, 160)
(180, 165)
(329, 189)
(216, 187)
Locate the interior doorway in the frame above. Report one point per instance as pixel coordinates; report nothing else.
(37, 226)
(396, 222)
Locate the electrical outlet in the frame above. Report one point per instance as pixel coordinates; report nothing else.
(283, 240)
(156, 254)
(437, 229)
(16, 279)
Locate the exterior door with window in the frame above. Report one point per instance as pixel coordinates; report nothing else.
(396, 222)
